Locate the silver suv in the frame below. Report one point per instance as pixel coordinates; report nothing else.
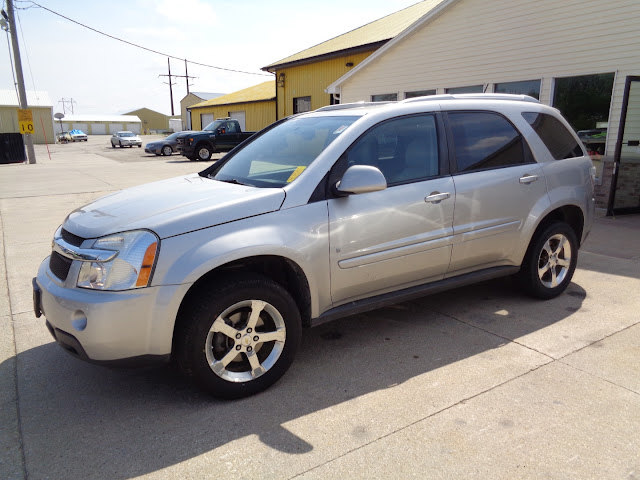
(320, 215)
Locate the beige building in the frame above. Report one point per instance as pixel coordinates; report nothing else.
(581, 57)
(41, 108)
(151, 121)
(191, 99)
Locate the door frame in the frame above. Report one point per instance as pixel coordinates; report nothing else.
(618, 151)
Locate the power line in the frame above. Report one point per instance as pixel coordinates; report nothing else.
(145, 48)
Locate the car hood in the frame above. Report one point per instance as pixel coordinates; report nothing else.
(171, 207)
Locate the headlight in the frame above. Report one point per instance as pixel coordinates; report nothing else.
(132, 266)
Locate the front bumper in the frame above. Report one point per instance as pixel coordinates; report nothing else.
(108, 327)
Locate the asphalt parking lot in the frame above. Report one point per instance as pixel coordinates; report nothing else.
(478, 382)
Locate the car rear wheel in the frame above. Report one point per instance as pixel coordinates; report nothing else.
(120, 143)
(238, 337)
(550, 261)
(112, 145)
(167, 150)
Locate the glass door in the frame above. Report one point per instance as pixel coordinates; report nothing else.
(625, 184)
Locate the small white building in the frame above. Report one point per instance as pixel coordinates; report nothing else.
(99, 124)
(583, 57)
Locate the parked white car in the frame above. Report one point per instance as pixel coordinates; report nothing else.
(125, 139)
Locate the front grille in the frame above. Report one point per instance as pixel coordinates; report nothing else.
(69, 237)
(59, 265)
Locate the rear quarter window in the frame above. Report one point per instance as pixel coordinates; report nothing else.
(560, 142)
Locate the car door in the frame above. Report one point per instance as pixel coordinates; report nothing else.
(498, 185)
(226, 136)
(400, 236)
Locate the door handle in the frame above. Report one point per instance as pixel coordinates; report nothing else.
(436, 197)
(528, 179)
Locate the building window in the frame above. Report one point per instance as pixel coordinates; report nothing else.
(469, 89)
(526, 87)
(585, 100)
(419, 93)
(384, 97)
(301, 104)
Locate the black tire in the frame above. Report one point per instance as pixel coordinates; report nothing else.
(139, 146)
(203, 152)
(231, 358)
(120, 143)
(551, 259)
(113, 146)
(167, 150)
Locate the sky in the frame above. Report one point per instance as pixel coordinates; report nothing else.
(105, 76)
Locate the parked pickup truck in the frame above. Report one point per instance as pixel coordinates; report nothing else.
(221, 135)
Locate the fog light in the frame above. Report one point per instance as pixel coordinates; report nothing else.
(79, 321)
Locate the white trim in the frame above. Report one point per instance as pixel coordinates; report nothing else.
(427, 17)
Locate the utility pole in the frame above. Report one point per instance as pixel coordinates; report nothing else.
(186, 76)
(22, 93)
(64, 102)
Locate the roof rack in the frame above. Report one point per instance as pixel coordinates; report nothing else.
(473, 96)
(346, 106)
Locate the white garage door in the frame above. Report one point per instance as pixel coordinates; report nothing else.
(133, 127)
(205, 119)
(115, 127)
(240, 116)
(80, 126)
(98, 129)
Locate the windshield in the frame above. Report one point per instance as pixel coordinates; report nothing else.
(281, 154)
(127, 134)
(213, 126)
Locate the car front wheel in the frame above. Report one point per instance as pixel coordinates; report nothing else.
(550, 261)
(238, 337)
(203, 152)
(167, 150)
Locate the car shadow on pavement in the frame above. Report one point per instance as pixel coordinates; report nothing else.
(84, 421)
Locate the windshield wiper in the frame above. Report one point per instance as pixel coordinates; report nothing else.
(231, 180)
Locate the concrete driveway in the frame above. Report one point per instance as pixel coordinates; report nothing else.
(479, 382)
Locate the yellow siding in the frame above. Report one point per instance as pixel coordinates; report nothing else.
(471, 44)
(311, 80)
(42, 123)
(151, 120)
(257, 114)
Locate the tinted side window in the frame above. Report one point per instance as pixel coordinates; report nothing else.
(554, 134)
(485, 140)
(404, 149)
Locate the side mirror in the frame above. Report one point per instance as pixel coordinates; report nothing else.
(361, 179)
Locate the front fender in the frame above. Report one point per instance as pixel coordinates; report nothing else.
(298, 234)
